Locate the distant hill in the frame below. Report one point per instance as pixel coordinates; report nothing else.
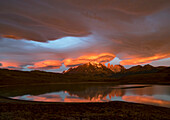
(142, 69)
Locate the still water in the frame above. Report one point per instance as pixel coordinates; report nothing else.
(158, 95)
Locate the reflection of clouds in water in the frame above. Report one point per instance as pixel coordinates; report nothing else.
(62, 94)
(115, 98)
(146, 100)
(158, 89)
(24, 97)
(141, 91)
(77, 99)
(44, 98)
(162, 97)
(146, 95)
(51, 97)
(150, 90)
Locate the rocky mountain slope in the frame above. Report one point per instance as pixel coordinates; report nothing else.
(90, 68)
(116, 68)
(98, 68)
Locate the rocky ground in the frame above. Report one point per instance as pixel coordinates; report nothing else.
(25, 110)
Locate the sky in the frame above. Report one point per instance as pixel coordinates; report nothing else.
(54, 35)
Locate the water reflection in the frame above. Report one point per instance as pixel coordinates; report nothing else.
(146, 100)
(150, 94)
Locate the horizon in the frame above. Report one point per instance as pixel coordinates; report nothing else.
(83, 64)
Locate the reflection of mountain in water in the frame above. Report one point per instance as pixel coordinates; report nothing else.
(117, 93)
(91, 93)
(98, 93)
(155, 95)
(85, 91)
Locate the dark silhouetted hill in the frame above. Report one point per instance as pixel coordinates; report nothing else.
(142, 69)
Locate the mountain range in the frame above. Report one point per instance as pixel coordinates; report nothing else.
(89, 72)
(98, 68)
(89, 68)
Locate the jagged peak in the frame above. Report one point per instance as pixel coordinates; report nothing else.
(96, 64)
(90, 67)
(116, 68)
(93, 63)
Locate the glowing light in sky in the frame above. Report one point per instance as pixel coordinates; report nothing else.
(47, 64)
(65, 43)
(144, 60)
(101, 58)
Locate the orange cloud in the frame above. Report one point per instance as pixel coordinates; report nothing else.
(47, 64)
(146, 100)
(136, 61)
(9, 65)
(101, 58)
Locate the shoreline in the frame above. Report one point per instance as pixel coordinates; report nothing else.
(18, 109)
(86, 83)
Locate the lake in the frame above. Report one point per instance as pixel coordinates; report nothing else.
(158, 95)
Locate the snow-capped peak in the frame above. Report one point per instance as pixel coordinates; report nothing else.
(96, 64)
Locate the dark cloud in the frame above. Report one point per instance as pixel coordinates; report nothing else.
(39, 20)
(0, 64)
(44, 20)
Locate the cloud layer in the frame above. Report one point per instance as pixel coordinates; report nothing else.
(70, 62)
(101, 58)
(47, 64)
(137, 32)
